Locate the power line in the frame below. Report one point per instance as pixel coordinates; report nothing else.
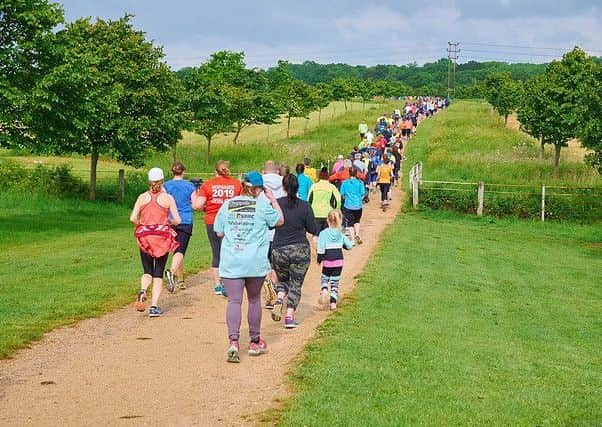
(564, 49)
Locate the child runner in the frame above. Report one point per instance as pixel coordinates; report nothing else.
(211, 196)
(154, 236)
(243, 223)
(331, 243)
(183, 193)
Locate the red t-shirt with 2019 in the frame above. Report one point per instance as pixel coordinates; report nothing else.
(217, 190)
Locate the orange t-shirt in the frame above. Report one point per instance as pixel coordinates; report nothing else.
(217, 190)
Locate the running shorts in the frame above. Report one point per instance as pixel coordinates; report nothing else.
(184, 231)
(351, 216)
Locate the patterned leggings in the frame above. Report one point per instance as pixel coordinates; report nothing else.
(332, 276)
(291, 263)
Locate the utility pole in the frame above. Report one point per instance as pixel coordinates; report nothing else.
(453, 49)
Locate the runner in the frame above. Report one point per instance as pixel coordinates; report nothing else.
(397, 156)
(331, 243)
(291, 251)
(211, 196)
(338, 164)
(305, 182)
(183, 193)
(385, 174)
(309, 171)
(323, 197)
(273, 181)
(352, 192)
(155, 237)
(242, 222)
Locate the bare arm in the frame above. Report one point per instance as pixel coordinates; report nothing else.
(173, 211)
(270, 196)
(135, 216)
(198, 202)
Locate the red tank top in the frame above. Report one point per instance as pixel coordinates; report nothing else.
(153, 213)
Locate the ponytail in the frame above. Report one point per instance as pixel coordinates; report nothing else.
(291, 186)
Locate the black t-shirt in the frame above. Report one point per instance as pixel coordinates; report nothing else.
(298, 220)
(397, 156)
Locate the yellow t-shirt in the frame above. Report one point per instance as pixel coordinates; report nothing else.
(311, 173)
(384, 174)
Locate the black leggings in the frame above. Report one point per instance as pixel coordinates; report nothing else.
(384, 191)
(153, 266)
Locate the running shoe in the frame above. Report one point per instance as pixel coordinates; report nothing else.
(232, 354)
(140, 305)
(333, 305)
(181, 285)
(271, 295)
(290, 323)
(324, 297)
(277, 311)
(155, 312)
(358, 240)
(258, 348)
(219, 289)
(170, 281)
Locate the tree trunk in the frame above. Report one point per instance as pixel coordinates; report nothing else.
(306, 123)
(557, 148)
(288, 127)
(505, 120)
(345, 102)
(175, 152)
(541, 148)
(363, 104)
(238, 129)
(208, 149)
(93, 165)
(351, 105)
(319, 116)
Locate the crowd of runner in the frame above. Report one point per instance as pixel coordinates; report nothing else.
(258, 228)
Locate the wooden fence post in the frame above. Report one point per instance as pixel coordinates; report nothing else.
(122, 185)
(480, 195)
(543, 202)
(268, 134)
(415, 184)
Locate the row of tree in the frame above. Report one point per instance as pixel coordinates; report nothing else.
(101, 88)
(563, 103)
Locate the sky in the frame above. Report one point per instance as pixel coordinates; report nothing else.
(358, 32)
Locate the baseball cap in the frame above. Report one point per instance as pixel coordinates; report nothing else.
(155, 174)
(254, 178)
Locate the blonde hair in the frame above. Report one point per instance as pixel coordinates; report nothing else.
(156, 186)
(249, 190)
(335, 219)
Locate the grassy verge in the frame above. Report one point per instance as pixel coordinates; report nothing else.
(460, 321)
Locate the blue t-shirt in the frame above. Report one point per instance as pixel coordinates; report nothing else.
(305, 184)
(353, 190)
(244, 221)
(181, 190)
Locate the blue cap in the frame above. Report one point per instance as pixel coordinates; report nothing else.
(254, 178)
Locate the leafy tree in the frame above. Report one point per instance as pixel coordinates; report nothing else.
(253, 102)
(322, 95)
(294, 96)
(342, 90)
(110, 95)
(502, 93)
(210, 95)
(532, 110)
(26, 43)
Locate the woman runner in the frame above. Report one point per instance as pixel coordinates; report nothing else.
(385, 175)
(290, 250)
(155, 237)
(242, 222)
(323, 197)
(211, 196)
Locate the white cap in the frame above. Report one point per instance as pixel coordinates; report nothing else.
(155, 174)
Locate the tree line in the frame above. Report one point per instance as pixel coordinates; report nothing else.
(562, 103)
(101, 88)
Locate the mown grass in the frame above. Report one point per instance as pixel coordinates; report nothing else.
(457, 321)
(69, 259)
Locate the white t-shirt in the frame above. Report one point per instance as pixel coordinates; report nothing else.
(273, 181)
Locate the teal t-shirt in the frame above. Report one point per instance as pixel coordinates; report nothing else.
(244, 221)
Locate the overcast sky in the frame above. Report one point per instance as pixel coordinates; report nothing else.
(358, 31)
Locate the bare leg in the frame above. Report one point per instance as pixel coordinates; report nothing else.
(145, 281)
(356, 229)
(177, 265)
(216, 278)
(157, 287)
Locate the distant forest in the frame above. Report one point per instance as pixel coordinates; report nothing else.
(429, 78)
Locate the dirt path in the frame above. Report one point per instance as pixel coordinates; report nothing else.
(126, 369)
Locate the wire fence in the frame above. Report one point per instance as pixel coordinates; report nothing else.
(546, 201)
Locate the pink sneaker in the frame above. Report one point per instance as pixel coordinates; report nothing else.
(333, 305)
(260, 347)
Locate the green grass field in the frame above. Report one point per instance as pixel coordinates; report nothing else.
(458, 321)
(69, 259)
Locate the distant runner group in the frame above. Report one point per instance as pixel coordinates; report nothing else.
(257, 228)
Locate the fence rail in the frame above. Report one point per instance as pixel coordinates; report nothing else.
(481, 188)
